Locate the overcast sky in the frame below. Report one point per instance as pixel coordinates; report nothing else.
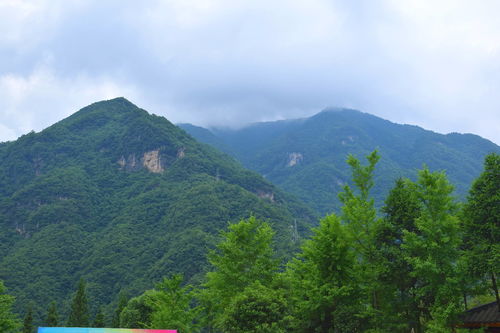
(432, 63)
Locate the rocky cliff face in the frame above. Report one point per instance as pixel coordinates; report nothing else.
(150, 160)
(294, 159)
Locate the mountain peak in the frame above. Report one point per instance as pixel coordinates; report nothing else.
(115, 101)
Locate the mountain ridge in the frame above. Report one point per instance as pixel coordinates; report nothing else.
(318, 146)
(121, 198)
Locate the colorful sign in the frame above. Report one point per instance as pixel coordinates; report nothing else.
(98, 330)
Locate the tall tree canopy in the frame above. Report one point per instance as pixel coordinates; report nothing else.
(173, 306)
(482, 224)
(8, 321)
(79, 316)
(360, 217)
(52, 318)
(243, 257)
(324, 280)
(432, 250)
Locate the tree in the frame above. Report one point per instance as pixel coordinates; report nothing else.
(173, 306)
(28, 321)
(122, 303)
(78, 316)
(137, 313)
(360, 218)
(8, 321)
(482, 224)
(244, 256)
(99, 320)
(432, 250)
(52, 317)
(324, 281)
(402, 208)
(257, 308)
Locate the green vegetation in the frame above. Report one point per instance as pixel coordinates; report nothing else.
(77, 201)
(28, 321)
(79, 313)
(321, 143)
(243, 258)
(128, 204)
(172, 306)
(356, 273)
(52, 319)
(8, 320)
(481, 223)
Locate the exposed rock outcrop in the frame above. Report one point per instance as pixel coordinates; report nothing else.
(294, 159)
(150, 160)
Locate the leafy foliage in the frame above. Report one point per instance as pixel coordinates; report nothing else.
(52, 319)
(257, 308)
(79, 316)
(325, 280)
(86, 206)
(28, 321)
(482, 225)
(325, 139)
(8, 320)
(172, 306)
(432, 251)
(244, 256)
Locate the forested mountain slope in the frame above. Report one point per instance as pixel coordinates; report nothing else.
(307, 156)
(121, 198)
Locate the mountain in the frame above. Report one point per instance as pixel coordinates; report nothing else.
(121, 198)
(307, 156)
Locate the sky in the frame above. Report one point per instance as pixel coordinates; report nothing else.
(435, 64)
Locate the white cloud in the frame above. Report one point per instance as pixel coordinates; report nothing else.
(435, 64)
(41, 98)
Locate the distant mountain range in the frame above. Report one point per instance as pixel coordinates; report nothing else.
(122, 198)
(307, 156)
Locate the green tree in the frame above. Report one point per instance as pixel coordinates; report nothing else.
(257, 308)
(173, 306)
(122, 303)
(78, 316)
(360, 217)
(324, 281)
(28, 321)
(402, 207)
(99, 320)
(482, 224)
(52, 317)
(8, 321)
(243, 257)
(432, 250)
(137, 313)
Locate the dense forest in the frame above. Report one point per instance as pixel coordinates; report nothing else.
(415, 264)
(305, 157)
(120, 198)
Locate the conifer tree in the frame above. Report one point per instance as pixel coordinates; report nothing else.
(244, 256)
(99, 320)
(432, 250)
(78, 316)
(324, 282)
(52, 319)
(28, 321)
(172, 306)
(482, 225)
(402, 208)
(122, 303)
(360, 217)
